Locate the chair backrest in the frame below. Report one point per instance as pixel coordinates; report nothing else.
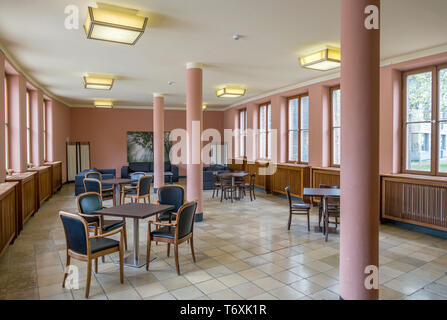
(89, 202)
(330, 201)
(171, 195)
(94, 175)
(144, 185)
(136, 176)
(92, 185)
(76, 232)
(289, 198)
(252, 179)
(185, 219)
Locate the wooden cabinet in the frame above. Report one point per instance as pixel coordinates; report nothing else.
(327, 176)
(8, 214)
(297, 177)
(415, 199)
(56, 175)
(43, 182)
(262, 180)
(26, 196)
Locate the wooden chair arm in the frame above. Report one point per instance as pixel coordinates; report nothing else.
(161, 224)
(108, 234)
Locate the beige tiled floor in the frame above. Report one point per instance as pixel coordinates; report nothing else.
(243, 251)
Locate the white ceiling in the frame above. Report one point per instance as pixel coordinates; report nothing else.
(274, 34)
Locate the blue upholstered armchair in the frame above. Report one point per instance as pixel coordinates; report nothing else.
(105, 174)
(171, 195)
(148, 168)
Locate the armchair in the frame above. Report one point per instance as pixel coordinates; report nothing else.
(105, 174)
(83, 247)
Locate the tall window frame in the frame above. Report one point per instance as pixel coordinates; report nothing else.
(242, 120)
(298, 129)
(28, 127)
(44, 129)
(335, 126)
(265, 131)
(431, 137)
(7, 156)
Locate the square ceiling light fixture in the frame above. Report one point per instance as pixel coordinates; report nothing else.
(323, 60)
(103, 104)
(97, 83)
(114, 24)
(229, 92)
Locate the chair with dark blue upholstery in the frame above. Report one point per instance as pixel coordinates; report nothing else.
(90, 202)
(142, 191)
(83, 247)
(97, 175)
(171, 195)
(176, 233)
(95, 185)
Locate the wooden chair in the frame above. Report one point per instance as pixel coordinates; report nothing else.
(171, 195)
(90, 202)
(226, 188)
(333, 207)
(174, 233)
(251, 186)
(142, 191)
(83, 247)
(95, 185)
(216, 185)
(298, 209)
(97, 175)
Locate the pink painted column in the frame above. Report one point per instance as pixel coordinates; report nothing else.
(50, 131)
(282, 130)
(194, 127)
(159, 128)
(359, 238)
(2, 119)
(17, 121)
(36, 99)
(253, 124)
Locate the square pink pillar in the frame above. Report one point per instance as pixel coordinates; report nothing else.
(36, 108)
(2, 119)
(159, 125)
(50, 130)
(194, 128)
(17, 121)
(359, 225)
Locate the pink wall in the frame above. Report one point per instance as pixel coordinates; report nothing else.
(58, 133)
(319, 115)
(106, 130)
(2, 120)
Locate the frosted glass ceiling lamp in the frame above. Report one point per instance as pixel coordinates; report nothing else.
(104, 104)
(322, 60)
(228, 92)
(97, 83)
(114, 25)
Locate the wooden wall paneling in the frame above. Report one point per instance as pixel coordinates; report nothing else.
(8, 215)
(43, 182)
(297, 177)
(327, 176)
(56, 175)
(26, 196)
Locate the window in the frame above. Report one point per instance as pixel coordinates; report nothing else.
(44, 129)
(6, 126)
(335, 127)
(28, 129)
(265, 131)
(298, 129)
(425, 121)
(242, 132)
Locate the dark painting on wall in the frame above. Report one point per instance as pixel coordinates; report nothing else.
(140, 146)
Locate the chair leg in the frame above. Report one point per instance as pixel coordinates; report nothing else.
(308, 220)
(319, 217)
(169, 249)
(67, 264)
(121, 263)
(125, 235)
(191, 242)
(214, 190)
(254, 195)
(96, 265)
(290, 221)
(148, 252)
(176, 258)
(221, 195)
(251, 196)
(89, 277)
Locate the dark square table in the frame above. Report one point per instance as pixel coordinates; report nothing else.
(135, 211)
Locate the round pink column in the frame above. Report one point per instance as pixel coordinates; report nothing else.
(159, 128)
(359, 239)
(194, 127)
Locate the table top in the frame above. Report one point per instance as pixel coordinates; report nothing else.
(321, 192)
(117, 181)
(233, 174)
(135, 210)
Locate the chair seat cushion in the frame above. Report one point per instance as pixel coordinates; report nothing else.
(103, 244)
(164, 232)
(301, 206)
(92, 219)
(112, 225)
